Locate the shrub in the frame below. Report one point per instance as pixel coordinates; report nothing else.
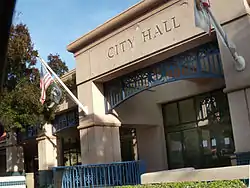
(215, 184)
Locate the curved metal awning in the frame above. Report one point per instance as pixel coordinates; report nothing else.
(201, 62)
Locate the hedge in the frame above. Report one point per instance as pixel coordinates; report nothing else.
(215, 184)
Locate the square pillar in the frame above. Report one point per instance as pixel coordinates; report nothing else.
(47, 156)
(47, 149)
(60, 155)
(237, 86)
(152, 151)
(239, 102)
(14, 155)
(100, 144)
(99, 132)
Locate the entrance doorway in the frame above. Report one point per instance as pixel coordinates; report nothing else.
(2, 161)
(128, 144)
(198, 131)
(71, 151)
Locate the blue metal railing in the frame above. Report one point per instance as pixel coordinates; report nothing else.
(99, 175)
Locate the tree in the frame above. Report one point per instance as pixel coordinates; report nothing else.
(20, 106)
(57, 64)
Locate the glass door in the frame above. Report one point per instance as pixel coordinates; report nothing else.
(175, 150)
(191, 144)
(198, 131)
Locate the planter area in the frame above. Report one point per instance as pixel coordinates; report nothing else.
(215, 184)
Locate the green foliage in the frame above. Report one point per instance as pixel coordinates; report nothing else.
(57, 64)
(20, 106)
(21, 56)
(19, 96)
(215, 184)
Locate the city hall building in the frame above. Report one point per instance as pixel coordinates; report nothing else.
(157, 89)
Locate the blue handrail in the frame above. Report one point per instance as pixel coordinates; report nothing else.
(99, 175)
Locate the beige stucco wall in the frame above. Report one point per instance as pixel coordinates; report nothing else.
(238, 32)
(169, 25)
(149, 111)
(68, 103)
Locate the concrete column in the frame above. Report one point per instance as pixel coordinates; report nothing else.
(99, 133)
(14, 155)
(237, 86)
(239, 109)
(100, 144)
(47, 149)
(47, 155)
(239, 102)
(60, 155)
(150, 148)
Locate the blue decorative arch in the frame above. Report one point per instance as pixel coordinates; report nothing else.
(201, 62)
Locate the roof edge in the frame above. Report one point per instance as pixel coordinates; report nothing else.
(114, 23)
(66, 76)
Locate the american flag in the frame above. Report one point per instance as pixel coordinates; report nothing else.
(202, 17)
(45, 81)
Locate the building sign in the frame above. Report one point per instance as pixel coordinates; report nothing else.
(148, 34)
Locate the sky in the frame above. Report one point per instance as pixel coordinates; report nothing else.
(53, 24)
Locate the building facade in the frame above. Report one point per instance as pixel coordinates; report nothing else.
(157, 89)
(151, 70)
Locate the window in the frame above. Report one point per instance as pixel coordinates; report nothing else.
(198, 131)
(171, 114)
(187, 112)
(67, 119)
(71, 152)
(71, 119)
(62, 121)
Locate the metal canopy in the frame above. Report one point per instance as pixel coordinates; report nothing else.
(201, 62)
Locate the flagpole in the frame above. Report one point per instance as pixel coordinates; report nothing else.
(203, 5)
(240, 66)
(84, 108)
